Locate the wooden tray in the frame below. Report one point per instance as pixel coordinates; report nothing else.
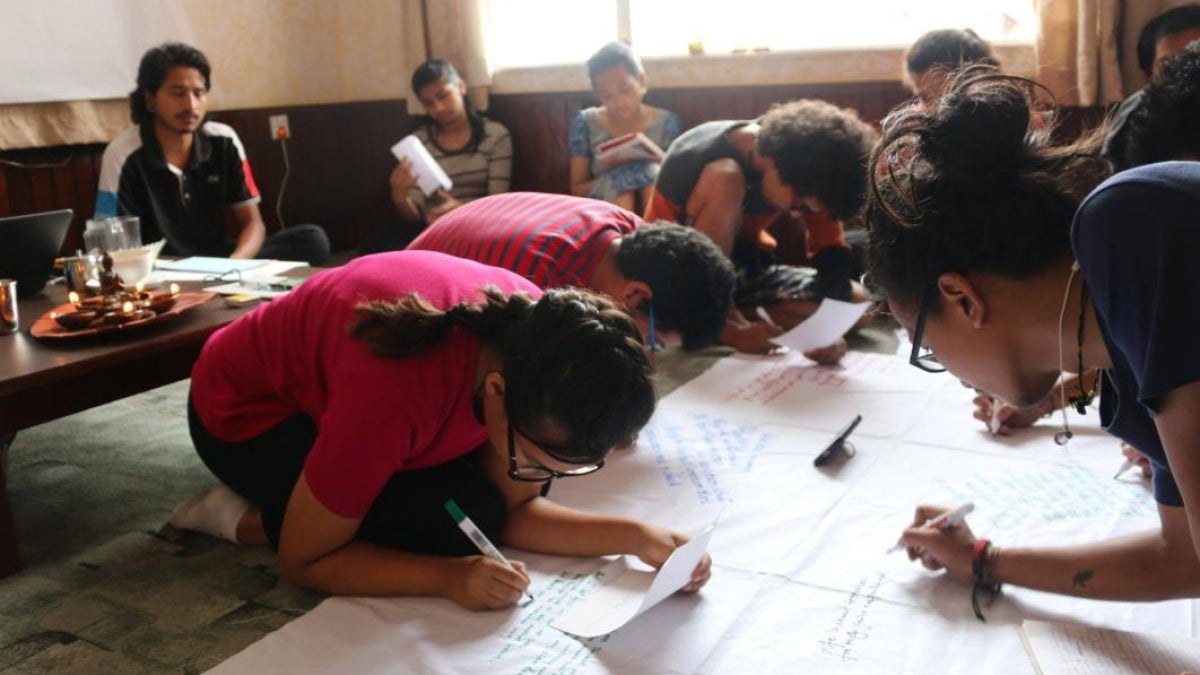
(46, 328)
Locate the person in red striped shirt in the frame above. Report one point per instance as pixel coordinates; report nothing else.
(559, 240)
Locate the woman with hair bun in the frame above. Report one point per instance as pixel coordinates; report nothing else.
(1002, 270)
(341, 417)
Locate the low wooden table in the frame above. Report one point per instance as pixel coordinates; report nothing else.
(44, 380)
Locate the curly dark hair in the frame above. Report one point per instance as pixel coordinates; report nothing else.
(691, 279)
(1166, 124)
(1175, 20)
(968, 187)
(613, 55)
(820, 150)
(572, 360)
(948, 48)
(156, 63)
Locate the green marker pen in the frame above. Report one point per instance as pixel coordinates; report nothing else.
(480, 539)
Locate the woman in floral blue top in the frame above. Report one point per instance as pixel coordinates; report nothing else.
(623, 178)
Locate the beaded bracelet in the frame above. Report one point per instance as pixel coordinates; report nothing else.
(983, 565)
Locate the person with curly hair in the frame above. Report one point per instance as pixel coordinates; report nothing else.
(664, 270)
(341, 417)
(800, 164)
(1008, 265)
(1161, 38)
(1166, 123)
(1163, 126)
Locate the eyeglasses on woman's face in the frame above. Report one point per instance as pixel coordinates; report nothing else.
(534, 472)
(923, 357)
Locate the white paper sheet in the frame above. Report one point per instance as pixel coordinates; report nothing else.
(430, 176)
(209, 265)
(426, 635)
(1071, 649)
(791, 390)
(830, 322)
(801, 580)
(626, 592)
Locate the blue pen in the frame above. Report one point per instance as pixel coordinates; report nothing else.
(653, 335)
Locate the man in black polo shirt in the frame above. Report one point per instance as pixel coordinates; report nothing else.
(178, 173)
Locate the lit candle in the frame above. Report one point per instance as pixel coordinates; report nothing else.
(127, 308)
(140, 286)
(73, 297)
(174, 289)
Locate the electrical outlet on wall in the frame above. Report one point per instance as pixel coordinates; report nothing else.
(279, 127)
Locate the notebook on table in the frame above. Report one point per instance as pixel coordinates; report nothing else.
(208, 265)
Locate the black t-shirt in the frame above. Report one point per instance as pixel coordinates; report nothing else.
(680, 171)
(1136, 238)
(689, 154)
(186, 207)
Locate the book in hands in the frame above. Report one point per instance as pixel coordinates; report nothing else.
(430, 176)
(628, 148)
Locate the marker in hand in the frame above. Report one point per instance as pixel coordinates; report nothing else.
(1127, 465)
(946, 520)
(994, 423)
(480, 539)
(762, 314)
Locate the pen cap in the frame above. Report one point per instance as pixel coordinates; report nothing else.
(455, 512)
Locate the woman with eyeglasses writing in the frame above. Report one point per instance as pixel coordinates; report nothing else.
(342, 417)
(1007, 274)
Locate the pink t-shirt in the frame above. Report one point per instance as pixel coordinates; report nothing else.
(374, 416)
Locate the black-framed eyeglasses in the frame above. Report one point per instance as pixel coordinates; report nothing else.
(537, 473)
(922, 357)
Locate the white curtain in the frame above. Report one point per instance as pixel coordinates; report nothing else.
(457, 32)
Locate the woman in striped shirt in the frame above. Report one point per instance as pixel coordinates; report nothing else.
(474, 151)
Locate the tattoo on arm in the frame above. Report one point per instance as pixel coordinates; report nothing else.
(1082, 577)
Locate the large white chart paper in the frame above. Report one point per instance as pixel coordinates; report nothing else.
(627, 592)
(1069, 649)
(801, 582)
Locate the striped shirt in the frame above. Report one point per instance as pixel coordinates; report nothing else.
(550, 239)
(486, 171)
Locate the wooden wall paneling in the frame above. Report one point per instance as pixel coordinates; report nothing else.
(64, 193)
(20, 190)
(340, 163)
(84, 174)
(5, 207)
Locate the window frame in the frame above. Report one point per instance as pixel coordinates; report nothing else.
(800, 67)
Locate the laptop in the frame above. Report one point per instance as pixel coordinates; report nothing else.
(28, 246)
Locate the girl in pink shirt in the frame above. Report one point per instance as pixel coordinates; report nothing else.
(345, 414)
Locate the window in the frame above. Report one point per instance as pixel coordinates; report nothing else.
(543, 32)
